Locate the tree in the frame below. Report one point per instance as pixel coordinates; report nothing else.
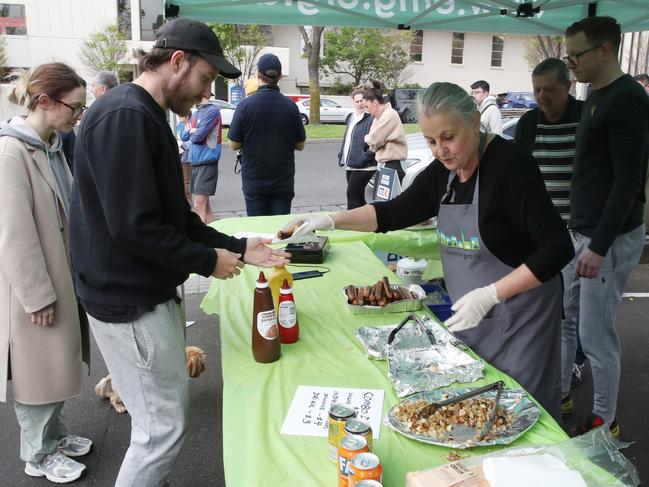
(241, 45)
(105, 50)
(312, 50)
(543, 47)
(364, 54)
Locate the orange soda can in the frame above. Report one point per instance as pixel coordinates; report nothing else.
(349, 446)
(364, 466)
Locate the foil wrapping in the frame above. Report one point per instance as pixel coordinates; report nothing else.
(515, 401)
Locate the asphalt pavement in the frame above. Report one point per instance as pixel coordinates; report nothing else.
(200, 464)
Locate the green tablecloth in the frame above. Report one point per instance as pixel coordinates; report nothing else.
(256, 397)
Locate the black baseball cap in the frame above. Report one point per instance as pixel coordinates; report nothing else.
(193, 36)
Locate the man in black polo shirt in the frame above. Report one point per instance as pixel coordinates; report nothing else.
(269, 129)
(548, 132)
(607, 200)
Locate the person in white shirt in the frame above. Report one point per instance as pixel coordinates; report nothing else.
(354, 152)
(490, 118)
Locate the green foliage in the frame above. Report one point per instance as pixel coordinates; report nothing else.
(241, 45)
(365, 54)
(105, 50)
(410, 85)
(339, 88)
(543, 47)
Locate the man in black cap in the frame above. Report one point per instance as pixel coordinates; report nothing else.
(269, 129)
(134, 239)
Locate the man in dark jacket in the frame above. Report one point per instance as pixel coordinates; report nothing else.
(355, 154)
(134, 239)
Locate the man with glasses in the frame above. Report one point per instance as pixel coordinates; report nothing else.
(490, 118)
(607, 199)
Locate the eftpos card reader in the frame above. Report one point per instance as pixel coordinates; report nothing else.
(314, 252)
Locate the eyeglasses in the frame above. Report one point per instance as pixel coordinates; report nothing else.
(573, 59)
(76, 110)
(477, 92)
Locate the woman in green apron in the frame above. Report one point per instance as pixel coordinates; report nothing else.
(502, 243)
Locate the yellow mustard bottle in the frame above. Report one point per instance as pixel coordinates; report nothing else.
(275, 279)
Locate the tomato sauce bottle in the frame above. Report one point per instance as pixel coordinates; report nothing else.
(265, 333)
(289, 329)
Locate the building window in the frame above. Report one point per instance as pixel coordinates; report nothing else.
(150, 18)
(417, 46)
(457, 52)
(497, 47)
(12, 20)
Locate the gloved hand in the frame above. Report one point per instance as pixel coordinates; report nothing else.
(308, 223)
(471, 308)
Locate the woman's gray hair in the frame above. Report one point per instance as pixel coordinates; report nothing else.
(449, 98)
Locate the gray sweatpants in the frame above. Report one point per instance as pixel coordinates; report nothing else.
(146, 361)
(596, 302)
(41, 428)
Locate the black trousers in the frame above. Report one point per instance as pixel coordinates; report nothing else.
(356, 182)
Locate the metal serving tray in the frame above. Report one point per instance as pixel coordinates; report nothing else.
(395, 307)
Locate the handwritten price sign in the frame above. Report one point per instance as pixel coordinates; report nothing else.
(309, 410)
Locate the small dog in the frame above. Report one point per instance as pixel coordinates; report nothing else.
(105, 389)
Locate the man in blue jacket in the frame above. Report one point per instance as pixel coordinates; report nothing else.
(204, 153)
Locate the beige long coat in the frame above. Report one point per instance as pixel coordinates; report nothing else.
(43, 363)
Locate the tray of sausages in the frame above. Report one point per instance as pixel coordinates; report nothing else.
(383, 297)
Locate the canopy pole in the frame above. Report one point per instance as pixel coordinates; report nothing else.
(592, 9)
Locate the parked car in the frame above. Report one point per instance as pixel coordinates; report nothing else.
(516, 99)
(404, 101)
(227, 110)
(330, 111)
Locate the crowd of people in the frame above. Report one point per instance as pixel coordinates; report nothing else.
(551, 225)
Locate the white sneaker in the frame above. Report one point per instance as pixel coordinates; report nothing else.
(56, 467)
(74, 446)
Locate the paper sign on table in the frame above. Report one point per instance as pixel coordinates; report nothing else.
(309, 410)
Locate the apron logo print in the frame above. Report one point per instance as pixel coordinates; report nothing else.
(452, 241)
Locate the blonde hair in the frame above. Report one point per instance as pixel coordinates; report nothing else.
(51, 79)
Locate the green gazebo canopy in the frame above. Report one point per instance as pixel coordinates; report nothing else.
(547, 17)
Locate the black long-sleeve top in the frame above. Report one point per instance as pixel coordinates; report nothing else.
(517, 220)
(133, 237)
(607, 195)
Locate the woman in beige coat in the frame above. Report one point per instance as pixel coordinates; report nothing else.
(40, 331)
(386, 137)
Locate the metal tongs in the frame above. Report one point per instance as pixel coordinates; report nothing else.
(430, 408)
(415, 318)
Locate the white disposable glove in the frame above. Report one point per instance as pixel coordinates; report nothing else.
(309, 223)
(471, 308)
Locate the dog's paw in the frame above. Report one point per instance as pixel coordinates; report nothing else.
(104, 387)
(195, 361)
(117, 403)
